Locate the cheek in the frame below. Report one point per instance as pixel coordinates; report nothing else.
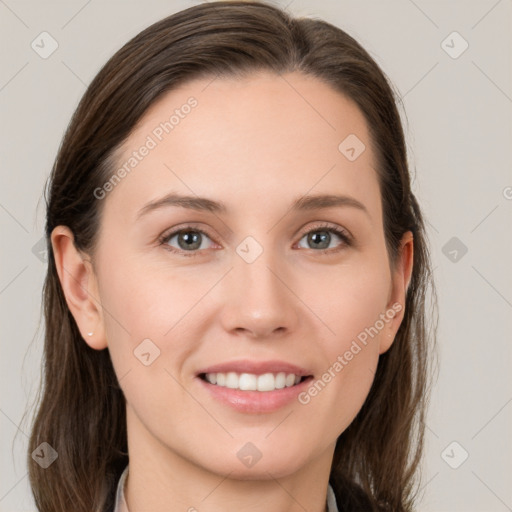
(144, 311)
(351, 300)
(147, 331)
(147, 301)
(351, 304)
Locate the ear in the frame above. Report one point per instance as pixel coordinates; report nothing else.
(400, 279)
(80, 288)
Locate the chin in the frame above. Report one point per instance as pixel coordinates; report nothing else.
(264, 464)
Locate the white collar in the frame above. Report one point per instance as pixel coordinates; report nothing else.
(120, 505)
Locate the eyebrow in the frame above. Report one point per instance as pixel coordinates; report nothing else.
(303, 203)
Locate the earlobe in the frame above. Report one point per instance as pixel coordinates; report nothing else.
(79, 286)
(401, 279)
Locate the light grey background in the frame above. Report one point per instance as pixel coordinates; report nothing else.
(458, 127)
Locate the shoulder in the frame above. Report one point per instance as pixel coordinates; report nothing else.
(116, 486)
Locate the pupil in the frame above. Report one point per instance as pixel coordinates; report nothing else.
(319, 237)
(191, 241)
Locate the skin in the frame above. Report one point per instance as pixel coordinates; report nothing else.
(255, 144)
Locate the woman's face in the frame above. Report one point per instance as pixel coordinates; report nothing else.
(256, 277)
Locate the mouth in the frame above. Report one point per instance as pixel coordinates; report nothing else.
(254, 387)
(265, 382)
(254, 393)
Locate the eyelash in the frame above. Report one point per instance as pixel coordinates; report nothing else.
(341, 233)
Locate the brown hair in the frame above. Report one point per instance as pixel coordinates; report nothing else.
(81, 408)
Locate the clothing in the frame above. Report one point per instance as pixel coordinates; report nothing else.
(120, 505)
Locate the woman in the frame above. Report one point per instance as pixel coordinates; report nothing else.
(238, 271)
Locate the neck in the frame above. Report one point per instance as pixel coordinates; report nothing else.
(160, 479)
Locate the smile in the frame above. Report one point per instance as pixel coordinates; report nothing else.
(253, 382)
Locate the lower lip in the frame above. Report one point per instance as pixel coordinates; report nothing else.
(256, 401)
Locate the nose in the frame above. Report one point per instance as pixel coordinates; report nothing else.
(258, 299)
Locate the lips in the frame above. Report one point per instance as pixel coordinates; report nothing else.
(254, 387)
(256, 368)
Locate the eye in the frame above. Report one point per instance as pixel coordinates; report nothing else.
(320, 238)
(189, 240)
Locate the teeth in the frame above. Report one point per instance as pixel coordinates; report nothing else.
(251, 382)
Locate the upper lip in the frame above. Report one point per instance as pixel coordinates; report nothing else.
(256, 367)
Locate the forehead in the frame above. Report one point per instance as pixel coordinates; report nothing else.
(261, 136)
